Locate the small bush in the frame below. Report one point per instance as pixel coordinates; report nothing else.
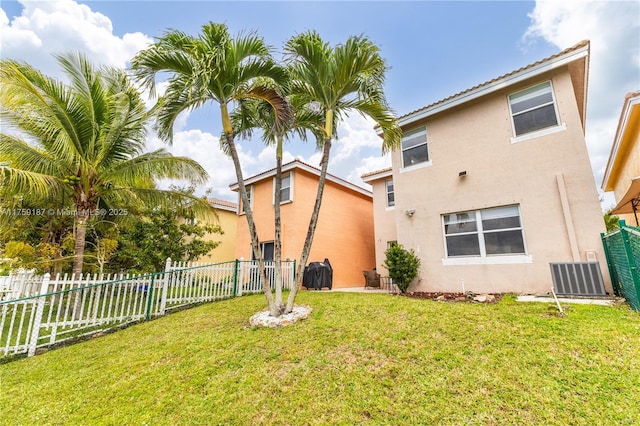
(402, 266)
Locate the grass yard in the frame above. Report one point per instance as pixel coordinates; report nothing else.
(359, 359)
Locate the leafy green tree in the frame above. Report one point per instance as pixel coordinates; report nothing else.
(51, 258)
(402, 266)
(145, 243)
(611, 221)
(336, 81)
(214, 67)
(20, 254)
(83, 141)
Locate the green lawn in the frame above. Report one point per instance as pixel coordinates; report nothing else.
(359, 359)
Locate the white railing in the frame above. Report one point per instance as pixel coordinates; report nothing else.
(22, 284)
(66, 308)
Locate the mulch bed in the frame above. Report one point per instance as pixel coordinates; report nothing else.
(453, 297)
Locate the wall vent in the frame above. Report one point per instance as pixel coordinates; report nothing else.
(577, 279)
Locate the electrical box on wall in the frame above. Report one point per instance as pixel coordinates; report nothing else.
(591, 256)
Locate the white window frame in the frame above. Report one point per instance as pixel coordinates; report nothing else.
(559, 126)
(415, 132)
(263, 244)
(483, 258)
(386, 189)
(241, 209)
(290, 200)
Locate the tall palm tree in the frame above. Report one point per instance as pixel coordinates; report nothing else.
(257, 114)
(82, 141)
(214, 67)
(337, 81)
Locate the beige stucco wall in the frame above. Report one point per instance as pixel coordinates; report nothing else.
(344, 233)
(476, 138)
(384, 223)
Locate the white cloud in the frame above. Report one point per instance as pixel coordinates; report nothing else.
(357, 150)
(62, 26)
(205, 149)
(47, 27)
(612, 28)
(355, 133)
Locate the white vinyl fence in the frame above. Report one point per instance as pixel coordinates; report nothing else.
(41, 311)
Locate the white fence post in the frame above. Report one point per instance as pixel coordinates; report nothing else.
(239, 276)
(165, 286)
(35, 331)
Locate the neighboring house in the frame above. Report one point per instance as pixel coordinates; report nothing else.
(344, 234)
(622, 175)
(493, 184)
(227, 219)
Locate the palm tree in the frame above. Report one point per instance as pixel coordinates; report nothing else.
(83, 141)
(214, 67)
(257, 114)
(611, 221)
(336, 81)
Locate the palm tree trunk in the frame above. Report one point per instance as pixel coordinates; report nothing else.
(313, 222)
(81, 219)
(255, 242)
(79, 241)
(277, 244)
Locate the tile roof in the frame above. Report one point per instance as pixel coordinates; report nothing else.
(375, 172)
(297, 164)
(216, 202)
(583, 43)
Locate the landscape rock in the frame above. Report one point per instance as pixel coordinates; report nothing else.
(263, 319)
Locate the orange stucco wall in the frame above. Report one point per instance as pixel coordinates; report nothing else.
(344, 234)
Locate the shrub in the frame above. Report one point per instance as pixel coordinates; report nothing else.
(402, 266)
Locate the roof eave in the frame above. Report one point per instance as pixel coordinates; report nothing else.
(501, 83)
(373, 176)
(632, 101)
(296, 164)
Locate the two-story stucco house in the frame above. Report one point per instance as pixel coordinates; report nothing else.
(344, 233)
(622, 175)
(493, 184)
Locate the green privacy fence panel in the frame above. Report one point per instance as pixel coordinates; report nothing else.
(46, 311)
(622, 248)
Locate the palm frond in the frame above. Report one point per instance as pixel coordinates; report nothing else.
(158, 164)
(26, 182)
(170, 53)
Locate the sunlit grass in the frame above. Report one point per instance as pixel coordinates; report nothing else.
(359, 359)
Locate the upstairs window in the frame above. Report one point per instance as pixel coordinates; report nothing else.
(533, 109)
(286, 192)
(285, 188)
(391, 199)
(414, 147)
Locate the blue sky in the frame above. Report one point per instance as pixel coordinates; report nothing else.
(434, 50)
